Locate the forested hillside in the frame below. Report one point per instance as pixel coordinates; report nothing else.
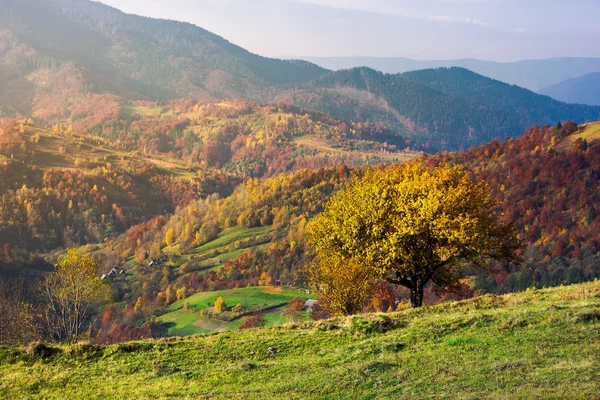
(528, 107)
(63, 188)
(441, 108)
(128, 56)
(199, 187)
(534, 75)
(256, 236)
(78, 60)
(549, 183)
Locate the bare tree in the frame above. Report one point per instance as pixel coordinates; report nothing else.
(18, 324)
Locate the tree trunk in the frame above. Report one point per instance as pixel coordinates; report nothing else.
(416, 296)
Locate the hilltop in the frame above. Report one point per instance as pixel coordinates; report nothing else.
(99, 49)
(531, 74)
(541, 343)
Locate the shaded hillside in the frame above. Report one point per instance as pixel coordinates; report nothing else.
(522, 105)
(442, 108)
(60, 188)
(583, 90)
(531, 74)
(536, 344)
(148, 58)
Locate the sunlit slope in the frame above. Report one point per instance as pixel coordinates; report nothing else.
(540, 343)
(270, 301)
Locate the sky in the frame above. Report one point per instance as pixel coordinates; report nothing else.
(495, 30)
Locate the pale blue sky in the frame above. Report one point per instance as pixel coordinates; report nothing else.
(499, 30)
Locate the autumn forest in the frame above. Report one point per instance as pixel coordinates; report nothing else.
(159, 182)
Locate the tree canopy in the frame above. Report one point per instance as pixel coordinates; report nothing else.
(72, 294)
(409, 224)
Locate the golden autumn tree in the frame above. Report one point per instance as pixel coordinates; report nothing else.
(170, 237)
(407, 224)
(220, 304)
(72, 294)
(345, 283)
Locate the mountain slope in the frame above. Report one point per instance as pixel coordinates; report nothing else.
(146, 160)
(152, 58)
(58, 57)
(445, 108)
(529, 107)
(530, 74)
(537, 344)
(548, 183)
(256, 236)
(583, 90)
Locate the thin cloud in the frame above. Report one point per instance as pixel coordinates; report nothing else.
(453, 19)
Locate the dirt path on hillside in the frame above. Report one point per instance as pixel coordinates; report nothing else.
(213, 326)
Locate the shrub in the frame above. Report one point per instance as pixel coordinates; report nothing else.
(39, 349)
(255, 321)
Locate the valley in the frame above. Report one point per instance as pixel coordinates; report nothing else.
(182, 217)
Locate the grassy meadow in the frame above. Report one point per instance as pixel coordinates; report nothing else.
(536, 344)
(269, 300)
(229, 244)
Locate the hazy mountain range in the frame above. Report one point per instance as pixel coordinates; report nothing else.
(530, 74)
(583, 89)
(75, 59)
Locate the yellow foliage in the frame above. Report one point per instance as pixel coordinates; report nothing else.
(181, 293)
(220, 304)
(170, 237)
(72, 291)
(138, 304)
(410, 224)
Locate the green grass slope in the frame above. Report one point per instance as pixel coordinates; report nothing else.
(267, 299)
(537, 344)
(229, 244)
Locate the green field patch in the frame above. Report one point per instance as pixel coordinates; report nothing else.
(219, 261)
(268, 299)
(230, 235)
(230, 244)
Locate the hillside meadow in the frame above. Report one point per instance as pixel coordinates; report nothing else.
(266, 299)
(536, 344)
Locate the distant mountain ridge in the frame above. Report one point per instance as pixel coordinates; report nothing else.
(530, 74)
(584, 90)
(79, 62)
